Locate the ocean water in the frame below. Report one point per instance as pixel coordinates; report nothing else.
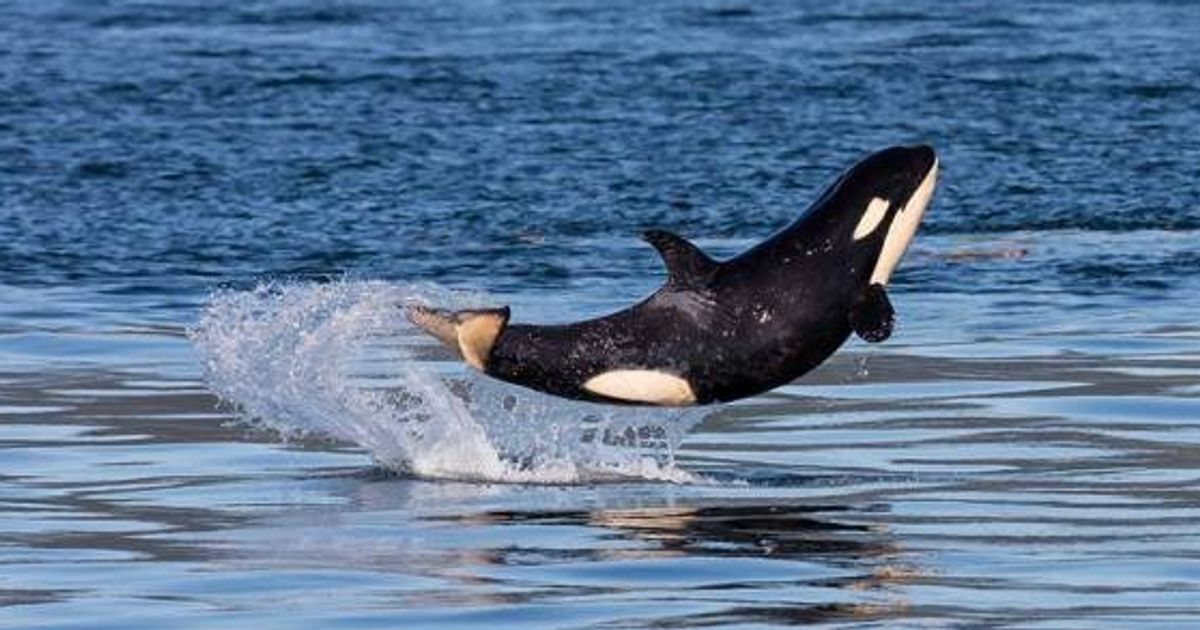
(213, 415)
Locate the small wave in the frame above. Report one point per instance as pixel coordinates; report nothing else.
(939, 40)
(728, 12)
(335, 15)
(339, 360)
(886, 17)
(114, 169)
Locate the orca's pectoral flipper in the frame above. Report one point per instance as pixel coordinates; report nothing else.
(872, 316)
(471, 333)
(687, 266)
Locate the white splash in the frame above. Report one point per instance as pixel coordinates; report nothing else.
(341, 360)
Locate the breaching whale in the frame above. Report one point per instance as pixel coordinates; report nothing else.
(721, 330)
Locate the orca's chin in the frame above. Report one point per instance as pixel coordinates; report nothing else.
(904, 227)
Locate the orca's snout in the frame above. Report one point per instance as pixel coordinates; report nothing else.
(915, 160)
(923, 156)
(902, 166)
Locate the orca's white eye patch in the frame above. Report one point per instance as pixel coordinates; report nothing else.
(871, 217)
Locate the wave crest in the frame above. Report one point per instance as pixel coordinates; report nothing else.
(340, 360)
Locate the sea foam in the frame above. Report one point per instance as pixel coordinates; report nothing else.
(340, 360)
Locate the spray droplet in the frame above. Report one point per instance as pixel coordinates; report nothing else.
(339, 360)
(863, 370)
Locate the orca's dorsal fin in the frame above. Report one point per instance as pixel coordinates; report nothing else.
(687, 266)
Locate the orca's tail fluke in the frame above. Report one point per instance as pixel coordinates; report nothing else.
(471, 333)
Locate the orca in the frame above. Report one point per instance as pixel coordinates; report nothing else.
(718, 331)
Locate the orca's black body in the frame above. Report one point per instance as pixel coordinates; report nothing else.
(719, 331)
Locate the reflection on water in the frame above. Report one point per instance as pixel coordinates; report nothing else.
(1022, 453)
(919, 488)
(846, 556)
(482, 547)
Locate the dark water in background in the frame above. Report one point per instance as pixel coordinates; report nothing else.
(1023, 453)
(184, 143)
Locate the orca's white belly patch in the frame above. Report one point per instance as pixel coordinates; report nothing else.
(644, 386)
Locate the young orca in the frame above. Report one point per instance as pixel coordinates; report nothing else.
(719, 331)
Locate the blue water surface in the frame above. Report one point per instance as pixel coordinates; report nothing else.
(1022, 453)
